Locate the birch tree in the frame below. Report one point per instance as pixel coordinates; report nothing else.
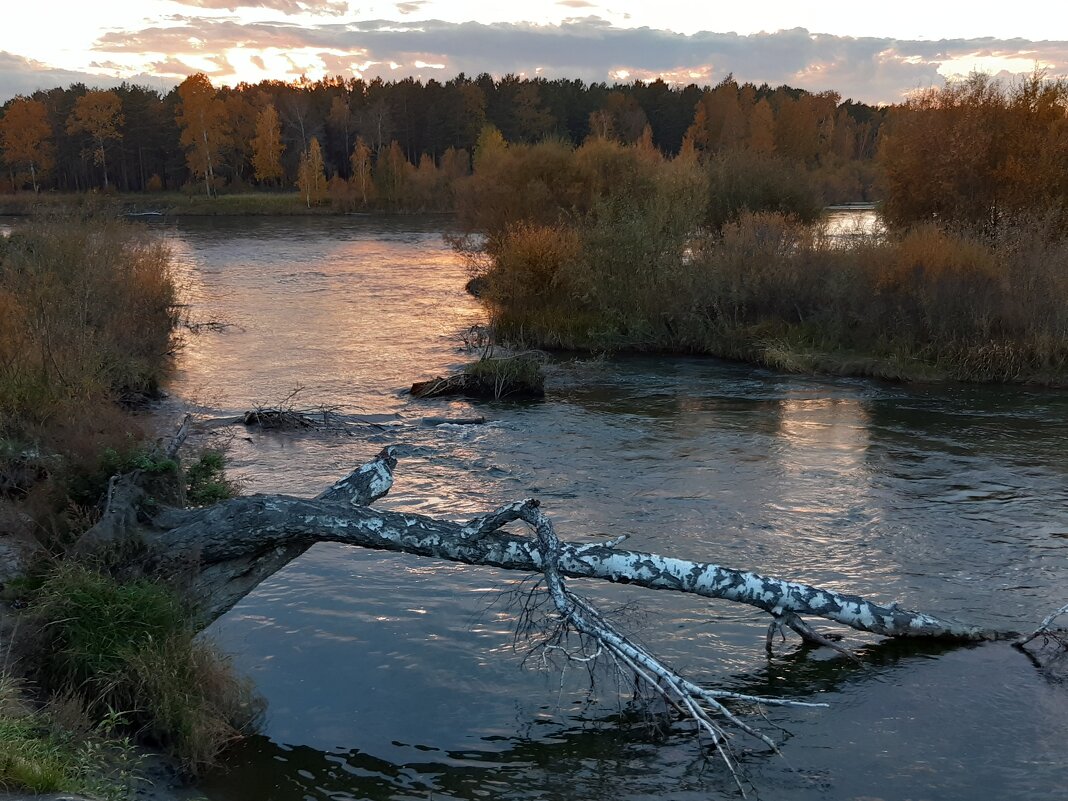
(205, 130)
(98, 114)
(363, 171)
(224, 551)
(311, 175)
(26, 138)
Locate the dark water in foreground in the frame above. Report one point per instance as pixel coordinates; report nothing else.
(392, 677)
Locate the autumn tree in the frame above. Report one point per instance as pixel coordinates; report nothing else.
(26, 138)
(974, 152)
(392, 173)
(98, 114)
(205, 130)
(804, 127)
(267, 146)
(761, 138)
(311, 175)
(362, 165)
(489, 147)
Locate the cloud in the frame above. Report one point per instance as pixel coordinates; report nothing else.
(23, 76)
(410, 8)
(331, 7)
(864, 68)
(575, 4)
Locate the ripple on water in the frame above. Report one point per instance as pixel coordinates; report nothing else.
(393, 677)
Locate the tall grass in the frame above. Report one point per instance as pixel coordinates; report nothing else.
(48, 751)
(87, 314)
(128, 647)
(87, 308)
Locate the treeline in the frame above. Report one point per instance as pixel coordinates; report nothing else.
(717, 250)
(386, 140)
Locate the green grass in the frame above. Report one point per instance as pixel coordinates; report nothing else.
(128, 647)
(205, 480)
(38, 756)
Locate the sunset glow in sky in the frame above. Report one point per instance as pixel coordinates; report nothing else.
(874, 52)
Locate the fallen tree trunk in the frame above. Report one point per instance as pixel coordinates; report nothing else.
(222, 552)
(232, 538)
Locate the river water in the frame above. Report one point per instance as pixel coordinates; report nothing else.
(394, 677)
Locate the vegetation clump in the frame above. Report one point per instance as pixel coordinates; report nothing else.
(127, 646)
(56, 750)
(613, 246)
(517, 376)
(88, 315)
(88, 308)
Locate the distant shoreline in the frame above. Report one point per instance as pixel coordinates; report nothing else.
(177, 204)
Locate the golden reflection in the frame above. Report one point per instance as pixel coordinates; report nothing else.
(837, 424)
(326, 310)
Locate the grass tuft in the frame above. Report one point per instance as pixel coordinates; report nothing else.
(128, 646)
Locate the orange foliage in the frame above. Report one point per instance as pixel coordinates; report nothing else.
(25, 138)
(976, 153)
(267, 146)
(98, 114)
(205, 127)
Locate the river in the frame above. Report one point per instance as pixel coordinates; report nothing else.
(394, 677)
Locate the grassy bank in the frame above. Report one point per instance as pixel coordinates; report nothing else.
(88, 309)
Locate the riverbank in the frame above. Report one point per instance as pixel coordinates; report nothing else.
(94, 659)
(169, 204)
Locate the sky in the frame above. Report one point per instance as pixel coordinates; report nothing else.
(875, 52)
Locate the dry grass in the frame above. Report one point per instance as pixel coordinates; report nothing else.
(767, 288)
(87, 313)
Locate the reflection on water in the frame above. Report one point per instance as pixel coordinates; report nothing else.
(393, 677)
(846, 222)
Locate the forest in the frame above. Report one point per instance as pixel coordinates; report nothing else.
(401, 144)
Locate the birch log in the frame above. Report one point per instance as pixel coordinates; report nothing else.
(232, 546)
(224, 551)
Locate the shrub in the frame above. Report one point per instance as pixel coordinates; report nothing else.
(205, 480)
(741, 181)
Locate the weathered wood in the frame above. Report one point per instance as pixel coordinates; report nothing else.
(224, 551)
(241, 541)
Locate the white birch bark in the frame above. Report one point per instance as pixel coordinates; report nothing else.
(233, 537)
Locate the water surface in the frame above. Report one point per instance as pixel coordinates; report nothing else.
(393, 677)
